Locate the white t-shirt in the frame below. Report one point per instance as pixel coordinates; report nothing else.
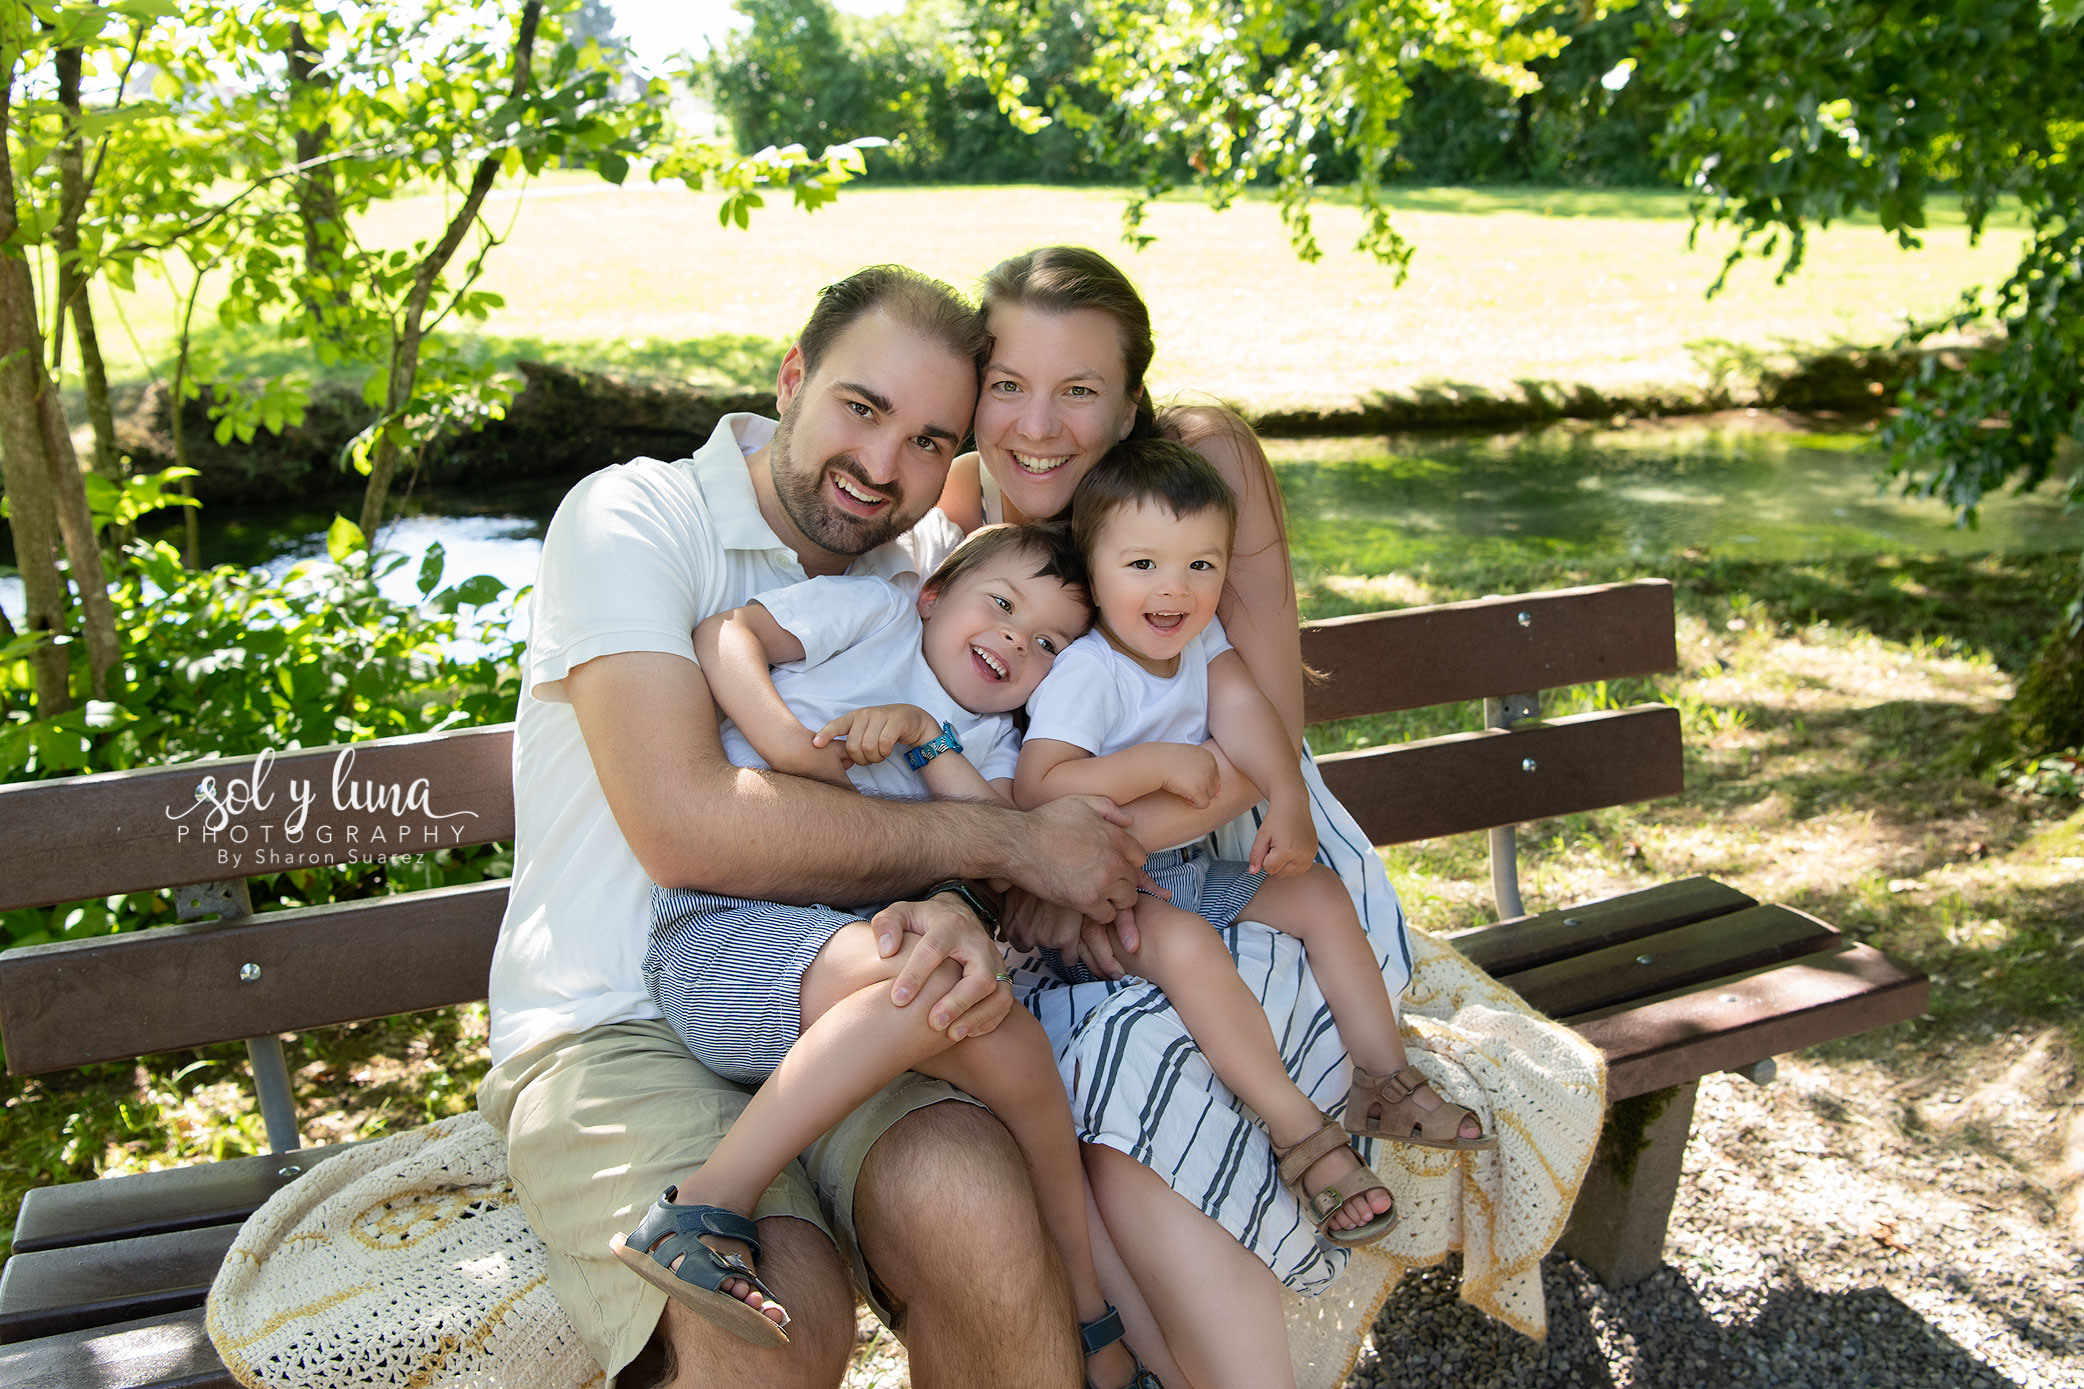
(1096, 698)
(636, 556)
(861, 647)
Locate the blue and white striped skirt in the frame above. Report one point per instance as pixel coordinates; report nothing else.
(728, 974)
(1214, 888)
(1139, 1085)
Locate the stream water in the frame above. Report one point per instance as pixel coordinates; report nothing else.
(1731, 486)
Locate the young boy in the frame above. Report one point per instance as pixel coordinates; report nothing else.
(799, 997)
(1125, 712)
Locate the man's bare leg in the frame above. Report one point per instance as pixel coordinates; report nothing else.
(803, 1268)
(947, 1219)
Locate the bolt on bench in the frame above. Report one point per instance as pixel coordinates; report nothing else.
(106, 1284)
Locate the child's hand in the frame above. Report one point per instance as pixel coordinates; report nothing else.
(872, 734)
(1191, 774)
(1287, 841)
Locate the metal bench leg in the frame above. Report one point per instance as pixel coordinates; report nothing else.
(1617, 1226)
(224, 903)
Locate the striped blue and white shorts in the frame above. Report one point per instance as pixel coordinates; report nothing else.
(728, 974)
(1215, 888)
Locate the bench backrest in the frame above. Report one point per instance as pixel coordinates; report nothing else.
(174, 987)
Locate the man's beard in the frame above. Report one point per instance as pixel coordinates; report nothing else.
(802, 496)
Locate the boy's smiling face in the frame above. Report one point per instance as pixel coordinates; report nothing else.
(992, 634)
(1156, 579)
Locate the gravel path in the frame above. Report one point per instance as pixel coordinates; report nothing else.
(1817, 1242)
(1824, 1238)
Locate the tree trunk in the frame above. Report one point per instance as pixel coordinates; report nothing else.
(40, 460)
(32, 519)
(405, 349)
(72, 283)
(318, 195)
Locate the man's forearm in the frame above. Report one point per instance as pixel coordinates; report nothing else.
(746, 835)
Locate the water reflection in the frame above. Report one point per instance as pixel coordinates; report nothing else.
(1377, 506)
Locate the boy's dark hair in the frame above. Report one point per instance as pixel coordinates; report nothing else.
(1049, 542)
(1148, 470)
(920, 302)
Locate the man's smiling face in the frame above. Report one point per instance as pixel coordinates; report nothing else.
(865, 440)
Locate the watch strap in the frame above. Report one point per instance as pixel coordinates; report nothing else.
(980, 903)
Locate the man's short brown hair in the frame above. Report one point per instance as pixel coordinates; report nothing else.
(920, 302)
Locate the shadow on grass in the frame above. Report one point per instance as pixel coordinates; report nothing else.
(731, 362)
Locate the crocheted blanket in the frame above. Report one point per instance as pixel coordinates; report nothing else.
(407, 1261)
(1544, 1087)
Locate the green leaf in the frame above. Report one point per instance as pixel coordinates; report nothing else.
(343, 538)
(612, 167)
(431, 567)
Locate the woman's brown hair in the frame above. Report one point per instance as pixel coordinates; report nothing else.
(1064, 279)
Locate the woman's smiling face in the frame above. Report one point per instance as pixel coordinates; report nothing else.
(1055, 399)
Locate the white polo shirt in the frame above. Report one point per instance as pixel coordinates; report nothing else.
(635, 557)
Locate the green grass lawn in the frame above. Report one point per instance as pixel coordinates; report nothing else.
(1563, 285)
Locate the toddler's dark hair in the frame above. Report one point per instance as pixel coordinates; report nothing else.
(1148, 470)
(1048, 542)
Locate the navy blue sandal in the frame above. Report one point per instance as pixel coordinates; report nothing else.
(669, 1232)
(1103, 1331)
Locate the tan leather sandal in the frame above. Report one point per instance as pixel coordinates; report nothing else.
(1295, 1161)
(1398, 1117)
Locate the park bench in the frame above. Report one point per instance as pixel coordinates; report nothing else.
(108, 1277)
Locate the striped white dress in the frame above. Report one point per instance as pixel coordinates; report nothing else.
(1138, 1084)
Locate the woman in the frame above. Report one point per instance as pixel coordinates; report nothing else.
(1072, 341)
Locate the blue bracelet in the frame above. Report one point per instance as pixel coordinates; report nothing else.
(926, 752)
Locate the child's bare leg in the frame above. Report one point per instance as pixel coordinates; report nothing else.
(854, 1041)
(1315, 908)
(1182, 954)
(1013, 1070)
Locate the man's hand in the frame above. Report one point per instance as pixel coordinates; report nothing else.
(947, 930)
(1074, 852)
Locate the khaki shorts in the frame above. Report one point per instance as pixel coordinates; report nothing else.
(599, 1124)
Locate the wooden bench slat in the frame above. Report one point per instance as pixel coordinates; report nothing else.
(1506, 947)
(1729, 1023)
(88, 1285)
(157, 1203)
(1452, 652)
(1675, 959)
(165, 1352)
(1476, 781)
(94, 836)
(146, 992)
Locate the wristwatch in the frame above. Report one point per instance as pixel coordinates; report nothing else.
(987, 914)
(926, 752)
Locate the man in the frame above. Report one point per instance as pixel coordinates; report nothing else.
(620, 781)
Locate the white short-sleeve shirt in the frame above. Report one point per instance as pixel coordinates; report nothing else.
(635, 557)
(861, 641)
(1096, 698)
